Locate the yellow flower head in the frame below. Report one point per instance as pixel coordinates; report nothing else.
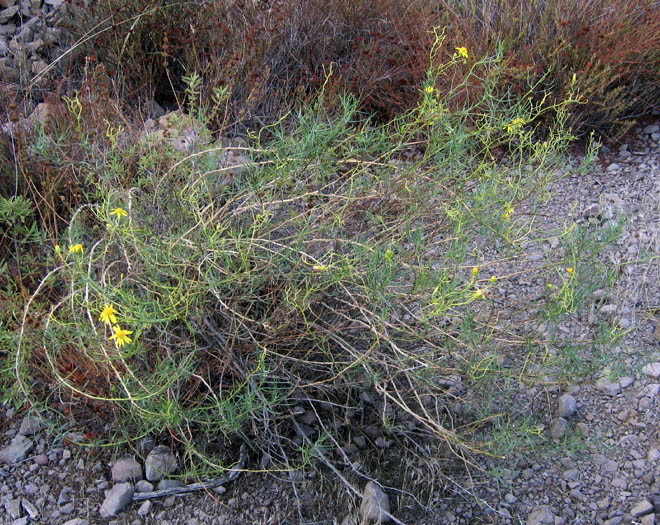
(570, 270)
(514, 124)
(492, 279)
(108, 315)
(480, 293)
(462, 52)
(119, 213)
(429, 90)
(58, 249)
(475, 271)
(76, 248)
(507, 214)
(120, 336)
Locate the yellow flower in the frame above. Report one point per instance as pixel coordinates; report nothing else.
(108, 315)
(514, 124)
(58, 249)
(429, 90)
(119, 212)
(475, 271)
(462, 52)
(76, 248)
(479, 294)
(492, 279)
(508, 212)
(570, 270)
(120, 336)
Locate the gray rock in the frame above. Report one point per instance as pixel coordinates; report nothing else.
(649, 519)
(65, 496)
(30, 509)
(616, 520)
(41, 459)
(21, 521)
(541, 515)
(76, 521)
(144, 486)
(147, 445)
(17, 450)
(652, 369)
(6, 14)
(159, 463)
(170, 484)
(119, 496)
(145, 508)
(30, 425)
(13, 508)
(558, 430)
(653, 128)
(612, 167)
(641, 508)
(626, 381)
(567, 406)
(375, 503)
(126, 469)
(608, 387)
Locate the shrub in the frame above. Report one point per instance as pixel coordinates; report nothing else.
(266, 59)
(197, 307)
(611, 46)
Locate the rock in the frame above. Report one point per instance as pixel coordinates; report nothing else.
(652, 369)
(76, 521)
(170, 484)
(30, 509)
(41, 459)
(13, 508)
(653, 128)
(374, 503)
(17, 450)
(7, 3)
(608, 309)
(558, 430)
(126, 469)
(145, 508)
(641, 508)
(567, 406)
(613, 167)
(159, 463)
(144, 486)
(617, 520)
(176, 129)
(67, 509)
(541, 515)
(653, 455)
(30, 425)
(626, 381)
(6, 14)
(119, 496)
(649, 519)
(608, 387)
